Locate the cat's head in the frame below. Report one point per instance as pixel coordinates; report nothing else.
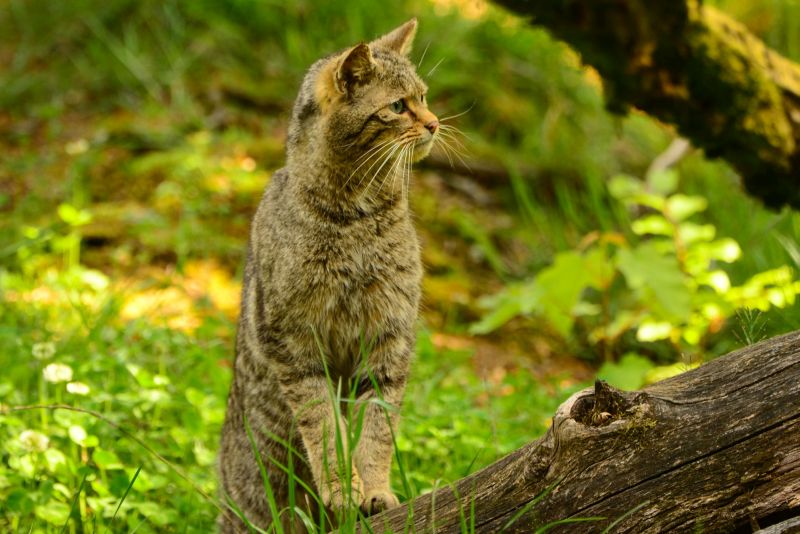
(365, 106)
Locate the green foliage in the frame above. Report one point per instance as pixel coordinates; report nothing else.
(174, 119)
(664, 280)
(457, 422)
(144, 458)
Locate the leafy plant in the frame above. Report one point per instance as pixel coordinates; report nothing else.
(663, 280)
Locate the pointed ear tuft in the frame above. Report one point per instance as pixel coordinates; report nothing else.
(400, 39)
(356, 67)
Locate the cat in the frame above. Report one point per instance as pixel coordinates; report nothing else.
(333, 265)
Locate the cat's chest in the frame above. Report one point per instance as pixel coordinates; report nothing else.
(358, 278)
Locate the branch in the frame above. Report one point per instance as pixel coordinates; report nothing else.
(692, 66)
(714, 449)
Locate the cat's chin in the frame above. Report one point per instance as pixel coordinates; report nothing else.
(422, 150)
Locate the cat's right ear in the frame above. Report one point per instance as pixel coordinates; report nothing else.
(355, 67)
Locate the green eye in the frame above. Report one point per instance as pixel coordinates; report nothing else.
(397, 107)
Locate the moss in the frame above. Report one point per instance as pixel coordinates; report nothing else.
(725, 69)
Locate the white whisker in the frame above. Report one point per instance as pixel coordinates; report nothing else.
(459, 114)
(434, 68)
(408, 175)
(375, 152)
(377, 172)
(452, 129)
(421, 59)
(448, 148)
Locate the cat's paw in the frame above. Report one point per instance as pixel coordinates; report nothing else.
(378, 501)
(336, 497)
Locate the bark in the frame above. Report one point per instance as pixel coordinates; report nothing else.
(694, 67)
(716, 449)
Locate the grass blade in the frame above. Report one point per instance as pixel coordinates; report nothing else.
(74, 502)
(125, 495)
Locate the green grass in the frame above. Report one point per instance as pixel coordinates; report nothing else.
(161, 396)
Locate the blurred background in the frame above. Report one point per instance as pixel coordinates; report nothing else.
(136, 137)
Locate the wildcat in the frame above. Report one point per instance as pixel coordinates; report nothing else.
(333, 266)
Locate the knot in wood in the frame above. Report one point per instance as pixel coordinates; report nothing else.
(605, 406)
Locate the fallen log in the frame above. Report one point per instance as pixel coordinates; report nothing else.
(716, 449)
(692, 66)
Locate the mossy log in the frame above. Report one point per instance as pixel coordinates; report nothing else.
(692, 66)
(716, 449)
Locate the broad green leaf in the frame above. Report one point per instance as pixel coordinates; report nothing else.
(628, 373)
(77, 434)
(621, 323)
(561, 285)
(663, 182)
(599, 269)
(106, 459)
(513, 301)
(725, 249)
(652, 224)
(717, 279)
(73, 216)
(53, 512)
(624, 187)
(54, 459)
(654, 330)
(689, 232)
(662, 372)
(657, 279)
(650, 200)
(681, 207)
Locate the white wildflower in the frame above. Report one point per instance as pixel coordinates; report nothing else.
(77, 434)
(44, 351)
(57, 372)
(78, 388)
(33, 441)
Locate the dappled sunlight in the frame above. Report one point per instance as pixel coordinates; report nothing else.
(181, 301)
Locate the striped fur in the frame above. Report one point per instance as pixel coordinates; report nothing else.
(333, 264)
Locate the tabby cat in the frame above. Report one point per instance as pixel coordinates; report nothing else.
(333, 266)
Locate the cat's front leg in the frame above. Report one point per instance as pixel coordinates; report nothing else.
(308, 395)
(387, 371)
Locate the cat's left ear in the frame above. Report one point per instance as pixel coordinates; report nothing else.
(400, 39)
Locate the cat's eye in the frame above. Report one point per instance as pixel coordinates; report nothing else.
(397, 107)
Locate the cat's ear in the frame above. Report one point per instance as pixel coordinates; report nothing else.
(355, 67)
(400, 39)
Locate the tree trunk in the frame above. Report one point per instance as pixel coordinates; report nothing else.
(716, 449)
(692, 66)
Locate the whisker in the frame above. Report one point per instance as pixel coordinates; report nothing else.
(453, 129)
(443, 145)
(380, 158)
(455, 141)
(421, 59)
(383, 143)
(408, 175)
(375, 152)
(459, 114)
(457, 153)
(377, 172)
(452, 133)
(434, 68)
(394, 171)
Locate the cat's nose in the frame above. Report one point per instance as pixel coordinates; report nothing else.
(432, 126)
